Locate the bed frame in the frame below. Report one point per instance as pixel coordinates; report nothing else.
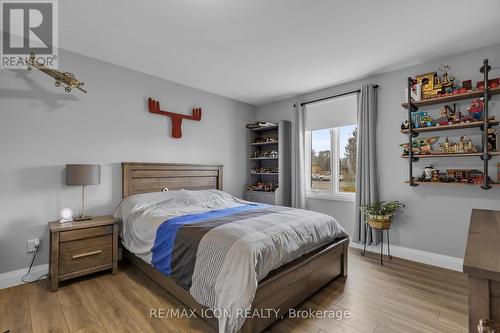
(283, 289)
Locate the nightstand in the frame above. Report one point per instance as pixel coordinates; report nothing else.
(82, 247)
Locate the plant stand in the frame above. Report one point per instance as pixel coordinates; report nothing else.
(381, 243)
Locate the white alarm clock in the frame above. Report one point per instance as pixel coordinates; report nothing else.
(65, 215)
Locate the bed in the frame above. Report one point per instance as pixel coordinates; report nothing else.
(280, 288)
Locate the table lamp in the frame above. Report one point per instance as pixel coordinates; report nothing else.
(83, 175)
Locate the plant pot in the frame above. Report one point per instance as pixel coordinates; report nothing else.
(381, 222)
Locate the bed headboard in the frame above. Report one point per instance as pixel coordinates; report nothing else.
(153, 177)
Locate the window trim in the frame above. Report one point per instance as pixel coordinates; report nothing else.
(333, 193)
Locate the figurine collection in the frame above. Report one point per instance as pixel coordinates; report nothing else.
(260, 124)
(265, 154)
(264, 170)
(466, 176)
(460, 147)
(448, 116)
(420, 146)
(424, 146)
(431, 85)
(263, 187)
(266, 140)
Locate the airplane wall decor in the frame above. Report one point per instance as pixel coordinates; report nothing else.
(66, 79)
(154, 107)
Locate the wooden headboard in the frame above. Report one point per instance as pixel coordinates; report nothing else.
(153, 177)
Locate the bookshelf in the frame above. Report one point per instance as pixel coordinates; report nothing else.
(274, 166)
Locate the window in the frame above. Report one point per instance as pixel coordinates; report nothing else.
(331, 151)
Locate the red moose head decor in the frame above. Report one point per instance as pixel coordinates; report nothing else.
(154, 107)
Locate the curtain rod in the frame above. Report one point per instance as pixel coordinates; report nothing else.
(330, 97)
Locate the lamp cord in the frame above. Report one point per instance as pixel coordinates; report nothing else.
(29, 270)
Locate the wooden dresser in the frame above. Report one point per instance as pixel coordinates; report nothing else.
(82, 247)
(482, 264)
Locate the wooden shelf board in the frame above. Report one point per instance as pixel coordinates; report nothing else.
(264, 173)
(493, 153)
(263, 129)
(451, 183)
(450, 127)
(264, 143)
(263, 158)
(254, 191)
(452, 98)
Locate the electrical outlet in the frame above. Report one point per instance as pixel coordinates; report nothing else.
(33, 244)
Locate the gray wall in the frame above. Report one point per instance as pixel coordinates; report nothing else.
(437, 217)
(42, 128)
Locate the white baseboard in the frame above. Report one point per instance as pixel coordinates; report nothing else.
(14, 278)
(423, 257)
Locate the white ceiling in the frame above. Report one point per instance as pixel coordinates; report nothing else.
(258, 51)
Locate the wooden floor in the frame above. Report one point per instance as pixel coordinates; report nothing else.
(402, 296)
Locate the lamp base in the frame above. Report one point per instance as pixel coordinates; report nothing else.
(82, 218)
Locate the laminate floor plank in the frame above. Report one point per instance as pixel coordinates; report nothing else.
(15, 315)
(45, 309)
(93, 328)
(136, 303)
(353, 321)
(159, 298)
(402, 296)
(454, 319)
(384, 329)
(111, 313)
(76, 307)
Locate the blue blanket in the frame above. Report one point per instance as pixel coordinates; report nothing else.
(167, 241)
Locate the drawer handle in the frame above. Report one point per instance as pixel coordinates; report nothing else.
(88, 254)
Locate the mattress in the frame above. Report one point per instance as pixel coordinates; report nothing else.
(219, 247)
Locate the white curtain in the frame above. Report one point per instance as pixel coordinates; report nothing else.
(298, 158)
(366, 171)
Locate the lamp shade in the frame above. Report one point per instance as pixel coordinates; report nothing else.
(83, 174)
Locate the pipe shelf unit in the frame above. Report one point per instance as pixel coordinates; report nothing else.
(486, 123)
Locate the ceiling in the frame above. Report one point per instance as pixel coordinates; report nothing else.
(258, 51)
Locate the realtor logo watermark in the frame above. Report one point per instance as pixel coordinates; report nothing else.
(28, 27)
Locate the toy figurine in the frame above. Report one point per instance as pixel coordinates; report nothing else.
(421, 119)
(405, 125)
(467, 85)
(461, 145)
(447, 80)
(433, 86)
(492, 139)
(453, 115)
(420, 146)
(493, 83)
(428, 172)
(435, 176)
(488, 326)
(476, 108)
(446, 117)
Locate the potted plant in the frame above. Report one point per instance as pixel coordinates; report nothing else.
(378, 214)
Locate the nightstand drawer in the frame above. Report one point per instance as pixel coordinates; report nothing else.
(85, 254)
(85, 233)
(82, 244)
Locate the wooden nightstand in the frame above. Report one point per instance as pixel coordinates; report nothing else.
(82, 247)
